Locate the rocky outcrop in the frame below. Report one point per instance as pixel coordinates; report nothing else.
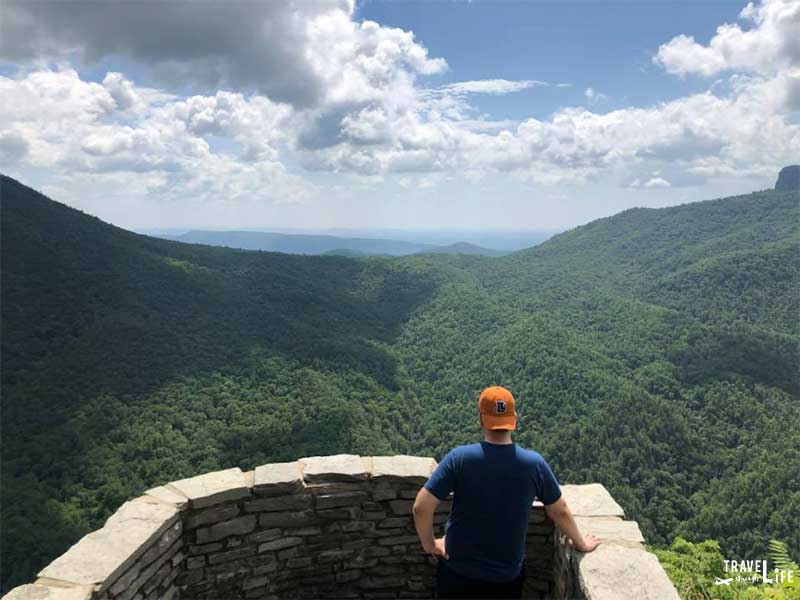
(789, 179)
(326, 526)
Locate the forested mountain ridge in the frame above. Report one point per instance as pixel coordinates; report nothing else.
(653, 351)
(295, 243)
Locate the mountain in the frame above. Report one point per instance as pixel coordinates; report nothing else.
(654, 351)
(299, 243)
(465, 248)
(789, 179)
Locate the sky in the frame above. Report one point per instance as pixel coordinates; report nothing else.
(426, 115)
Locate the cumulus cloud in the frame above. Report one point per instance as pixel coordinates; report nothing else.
(356, 106)
(303, 53)
(652, 182)
(770, 45)
(56, 120)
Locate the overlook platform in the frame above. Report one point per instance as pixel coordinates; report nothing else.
(324, 527)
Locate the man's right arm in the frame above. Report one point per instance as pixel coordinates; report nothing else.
(561, 515)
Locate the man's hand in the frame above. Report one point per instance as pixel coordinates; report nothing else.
(561, 515)
(588, 543)
(437, 550)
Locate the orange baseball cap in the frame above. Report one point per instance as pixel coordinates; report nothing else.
(497, 407)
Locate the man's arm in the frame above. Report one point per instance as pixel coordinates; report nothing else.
(561, 515)
(424, 506)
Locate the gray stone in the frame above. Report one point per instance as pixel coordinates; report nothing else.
(394, 522)
(227, 571)
(386, 570)
(537, 515)
(401, 539)
(345, 513)
(231, 555)
(213, 488)
(195, 562)
(390, 532)
(614, 571)
(149, 571)
(330, 556)
(211, 515)
(339, 467)
(255, 582)
(105, 554)
(304, 531)
(280, 544)
(268, 565)
(287, 519)
(405, 559)
(611, 529)
(409, 469)
(348, 576)
(361, 542)
(190, 577)
(204, 549)
(384, 492)
(376, 583)
(401, 507)
(353, 526)
(276, 479)
(41, 591)
(337, 500)
(218, 531)
(297, 563)
(591, 500)
(360, 562)
(374, 515)
(264, 536)
(446, 506)
(289, 552)
(277, 503)
(374, 551)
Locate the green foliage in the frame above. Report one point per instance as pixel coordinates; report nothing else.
(697, 571)
(654, 352)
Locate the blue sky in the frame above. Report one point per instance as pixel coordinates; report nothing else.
(604, 45)
(415, 115)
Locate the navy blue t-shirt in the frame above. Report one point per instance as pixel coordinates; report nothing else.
(493, 487)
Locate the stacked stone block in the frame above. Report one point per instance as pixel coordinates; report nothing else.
(338, 526)
(323, 527)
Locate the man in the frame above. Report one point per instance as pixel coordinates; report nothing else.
(494, 483)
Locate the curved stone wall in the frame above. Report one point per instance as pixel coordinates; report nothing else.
(333, 526)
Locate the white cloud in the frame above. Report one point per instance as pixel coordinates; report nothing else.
(358, 107)
(55, 120)
(652, 182)
(771, 45)
(303, 53)
(592, 95)
(494, 86)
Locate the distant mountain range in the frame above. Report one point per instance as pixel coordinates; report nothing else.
(466, 248)
(302, 243)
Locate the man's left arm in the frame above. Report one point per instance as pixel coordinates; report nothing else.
(424, 508)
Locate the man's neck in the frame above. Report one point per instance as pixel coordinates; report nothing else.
(497, 437)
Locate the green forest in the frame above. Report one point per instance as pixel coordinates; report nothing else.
(655, 352)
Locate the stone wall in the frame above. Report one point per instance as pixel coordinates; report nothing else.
(335, 526)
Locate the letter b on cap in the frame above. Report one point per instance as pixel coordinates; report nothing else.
(501, 406)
